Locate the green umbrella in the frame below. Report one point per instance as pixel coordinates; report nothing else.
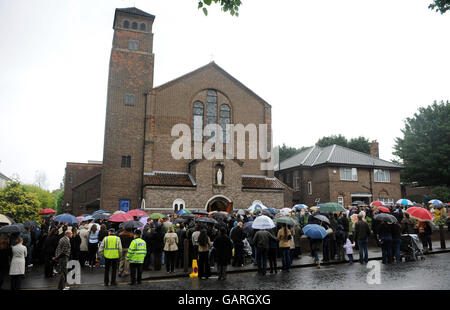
(156, 216)
(285, 220)
(331, 207)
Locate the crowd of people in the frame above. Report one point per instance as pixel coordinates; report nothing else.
(128, 251)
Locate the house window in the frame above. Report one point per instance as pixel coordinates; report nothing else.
(309, 188)
(126, 162)
(197, 123)
(142, 27)
(178, 204)
(134, 25)
(70, 178)
(133, 44)
(126, 24)
(296, 183)
(389, 201)
(225, 119)
(129, 99)
(349, 174)
(381, 175)
(341, 200)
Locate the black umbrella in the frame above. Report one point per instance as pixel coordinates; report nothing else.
(131, 225)
(201, 212)
(30, 224)
(385, 217)
(220, 215)
(101, 216)
(187, 216)
(180, 220)
(359, 203)
(321, 218)
(207, 220)
(14, 228)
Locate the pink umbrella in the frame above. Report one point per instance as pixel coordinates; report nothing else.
(384, 209)
(120, 217)
(79, 218)
(137, 212)
(377, 203)
(143, 220)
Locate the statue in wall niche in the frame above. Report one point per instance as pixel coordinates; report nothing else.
(219, 177)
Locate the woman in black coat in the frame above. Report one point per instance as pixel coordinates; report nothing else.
(50, 244)
(224, 251)
(157, 246)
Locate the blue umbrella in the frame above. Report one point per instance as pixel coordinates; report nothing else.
(100, 212)
(248, 227)
(88, 218)
(273, 211)
(435, 202)
(404, 202)
(299, 207)
(314, 231)
(66, 218)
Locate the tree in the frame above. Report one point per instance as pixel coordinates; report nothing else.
(58, 195)
(227, 5)
(287, 152)
(46, 198)
(424, 148)
(360, 144)
(19, 204)
(333, 139)
(440, 6)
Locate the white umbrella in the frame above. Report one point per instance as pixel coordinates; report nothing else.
(119, 211)
(263, 222)
(285, 211)
(257, 206)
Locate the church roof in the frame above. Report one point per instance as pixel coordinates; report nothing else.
(261, 182)
(168, 178)
(135, 11)
(212, 64)
(335, 155)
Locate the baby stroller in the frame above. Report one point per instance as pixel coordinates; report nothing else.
(409, 248)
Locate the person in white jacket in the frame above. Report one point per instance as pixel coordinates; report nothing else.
(349, 250)
(17, 268)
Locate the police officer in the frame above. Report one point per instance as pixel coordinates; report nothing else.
(136, 255)
(111, 249)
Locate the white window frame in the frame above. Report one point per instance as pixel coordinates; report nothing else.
(179, 202)
(309, 188)
(341, 200)
(385, 174)
(296, 183)
(345, 171)
(129, 99)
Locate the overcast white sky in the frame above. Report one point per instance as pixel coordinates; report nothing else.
(351, 67)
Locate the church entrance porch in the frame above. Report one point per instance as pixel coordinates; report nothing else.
(219, 203)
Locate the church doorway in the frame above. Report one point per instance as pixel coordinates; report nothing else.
(219, 203)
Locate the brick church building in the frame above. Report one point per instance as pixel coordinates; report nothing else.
(138, 166)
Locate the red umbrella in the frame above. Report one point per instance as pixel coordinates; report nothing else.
(384, 209)
(47, 212)
(137, 212)
(377, 203)
(420, 213)
(121, 217)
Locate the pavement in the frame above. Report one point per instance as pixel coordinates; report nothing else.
(35, 280)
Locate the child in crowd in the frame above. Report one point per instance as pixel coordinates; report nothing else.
(349, 245)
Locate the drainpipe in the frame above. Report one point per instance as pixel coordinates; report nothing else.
(143, 146)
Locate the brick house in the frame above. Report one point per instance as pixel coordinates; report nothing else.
(137, 160)
(338, 174)
(3, 180)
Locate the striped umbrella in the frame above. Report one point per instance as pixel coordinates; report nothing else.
(435, 201)
(404, 201)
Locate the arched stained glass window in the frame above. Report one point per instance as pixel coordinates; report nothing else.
(197, 124)
(211, 108)
(225, 118)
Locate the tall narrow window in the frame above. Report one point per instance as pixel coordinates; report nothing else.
(133, 44)
(126, 162)
(126, 24)
(71, 178)
(197, 123)
(211, 108)
(134, 25)
(129, 99)
(143, 27)
(225, 119)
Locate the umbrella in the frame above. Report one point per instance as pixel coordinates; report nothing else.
(207, 220)
(144, 220)
(156, 216)
(314, 231)
(180, 220)
(285, 211)
(101, 216)
(272, 210)
(377, 203)
(88, 218)
(14, 228)
(222, 215)
(47, 211)
(183, 211)
(385, 218)
(384, 209)
(256, 206)
(435, 201)
(118, 212)
(267, 213)
(187, 216)
(167, 224)
(30, 223)
(359, 203)
(242, 212)
(5, 220)
(420, 213)
(131, 225)
(80, 218)
(99, 212)
(120, 217)
(263, 222)
(285, 220)
(331, 207)
(299, 207)
(66, 218)
(200, 212)
(247, 227)
(404, 202)
(137, 212)
(321, 218)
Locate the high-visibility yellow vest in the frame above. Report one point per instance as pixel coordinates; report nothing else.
(111, 247)
(137, 251)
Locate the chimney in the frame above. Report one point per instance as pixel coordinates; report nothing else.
(374, 149)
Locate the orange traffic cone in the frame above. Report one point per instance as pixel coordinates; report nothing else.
(194, 273)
